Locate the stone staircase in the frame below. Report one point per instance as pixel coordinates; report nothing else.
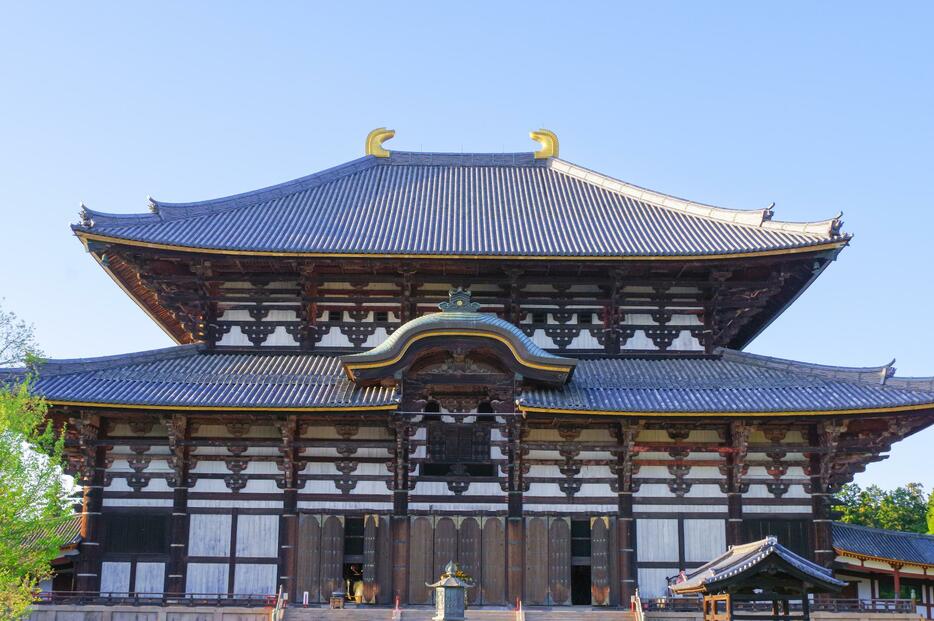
(424, 613)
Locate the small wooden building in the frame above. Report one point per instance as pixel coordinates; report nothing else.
(755, 573)
(578, 419)
(881, 564)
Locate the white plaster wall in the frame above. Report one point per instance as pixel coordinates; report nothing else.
(257, 536)
(657, 540)
(150, 578)
(704, 540)
(206, 578)
(115, 578)
(254, 579)
(209, 535)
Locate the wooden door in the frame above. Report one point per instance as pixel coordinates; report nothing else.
(308, 558)
(370, 532)
(493, 552)
(383, 562)
(468, 555)
(599, 560)
(332, 556)
(421, 560)
(445, 549)
(559, 561)
(536, 561)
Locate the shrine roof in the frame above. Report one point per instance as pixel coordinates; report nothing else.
(740, 561)
(459, 205)
(867, 543)
(730, 383)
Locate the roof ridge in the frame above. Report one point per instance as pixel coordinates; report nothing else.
(755, 218)
(164, 211)
(66, 366)
(873, 375)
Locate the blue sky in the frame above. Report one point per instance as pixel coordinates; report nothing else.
(819, 107)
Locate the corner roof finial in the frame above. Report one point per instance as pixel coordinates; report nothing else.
(459, 302)
(549, 142)
(375, 140)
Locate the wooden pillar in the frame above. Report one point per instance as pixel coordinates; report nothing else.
(399, 522)
(91, 471)
(824, 437)
(897, 579)
(625, 525)
(515, 526)
(288, 523)
(178, 433)
(737, 439)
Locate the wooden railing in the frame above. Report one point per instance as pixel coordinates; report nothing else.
(82, 598)
(695, 604)
(638, 613)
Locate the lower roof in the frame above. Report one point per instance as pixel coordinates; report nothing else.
(868, 543)
(729, 383)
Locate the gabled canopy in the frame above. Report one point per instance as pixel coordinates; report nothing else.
(739, 569)
(460, 205)
(458, 326)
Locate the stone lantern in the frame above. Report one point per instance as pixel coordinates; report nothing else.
(450, 593)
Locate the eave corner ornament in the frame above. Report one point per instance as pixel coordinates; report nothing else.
(549, 142)
(375, 140)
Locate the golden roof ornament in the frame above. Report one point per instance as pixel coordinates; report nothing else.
(375, 140)
(549, 142)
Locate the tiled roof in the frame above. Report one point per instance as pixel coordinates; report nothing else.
(733, 382)
(69, 532)
(883, 544)
(190, 376)
(429, 204)
(744, 559)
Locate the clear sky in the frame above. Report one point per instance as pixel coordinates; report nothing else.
(820, 107)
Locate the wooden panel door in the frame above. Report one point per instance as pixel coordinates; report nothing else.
(332, 556)
(559, 561)
(308, 558)
(493, 552)
(421, 560)
(445, 549)
(468, 555)
(370, 531)
(600, 560)
(613, 563)
(383, 562)
(536, 561)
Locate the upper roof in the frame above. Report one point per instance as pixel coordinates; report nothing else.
(745, 559)
(460, 205)
(877, 543)
(733, 383)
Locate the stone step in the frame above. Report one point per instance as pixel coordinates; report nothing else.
(474, 614)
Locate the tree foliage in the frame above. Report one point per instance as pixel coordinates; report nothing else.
(904, 508)
(17, 340)
(33, 494)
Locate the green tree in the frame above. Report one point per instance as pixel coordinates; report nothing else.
(33, 495)
(903, 508)
(931, 513)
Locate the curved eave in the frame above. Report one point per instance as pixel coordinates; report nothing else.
(881, 559)
(747, 414)
(351, 367)
(143, 298)
(86, 236)
(222, 408)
